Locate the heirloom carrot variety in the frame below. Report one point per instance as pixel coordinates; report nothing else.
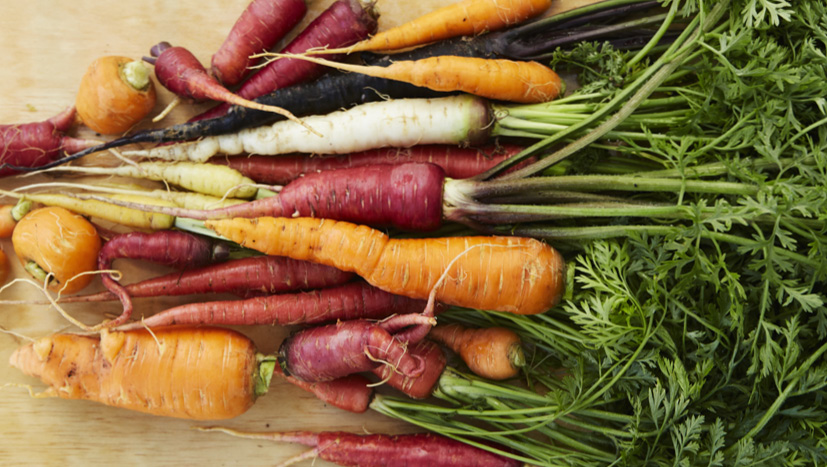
(493, 353)
(260, 26)
(378, 450)
(419, 386)
(324, 353)
(32, 145)
(196, 373)
(498, 79)
(517, 275)
(464, 18)
(245, 277)
(57, 246)
(457, 161)
(351, 392)
(342, 23)
(115, 94)
(180, 72)
(350, 301)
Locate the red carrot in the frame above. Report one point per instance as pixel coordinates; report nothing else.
(328, 352)
(421, 386)
(180, 72)
(378, 450)
(356, 300)
(457, 162)
(352, 392)
(243, 277)
(260, 26)
(38, 143)
(343, 23)
(167, 247)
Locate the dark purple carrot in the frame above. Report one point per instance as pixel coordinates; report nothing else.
(343, 23)
(258, 275)
(356, 300)
(457, 162)
(352, 392)
(167, 247)
(378, 450)
(420, 386)
(262, 24)
(178, 70)
(332, 351)
(38, 143)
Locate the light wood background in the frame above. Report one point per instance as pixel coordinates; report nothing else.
(46, 46)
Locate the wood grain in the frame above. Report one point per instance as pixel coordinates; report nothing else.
(46, 47)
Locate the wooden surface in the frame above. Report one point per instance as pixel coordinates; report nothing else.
(46, 46)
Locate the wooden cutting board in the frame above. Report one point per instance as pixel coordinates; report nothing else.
(46, 46)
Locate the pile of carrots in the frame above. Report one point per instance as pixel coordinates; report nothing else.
(310, 254)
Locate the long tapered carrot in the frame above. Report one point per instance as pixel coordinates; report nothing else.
(512, 274)
(505, 80)
(195, 373)
(464, 18)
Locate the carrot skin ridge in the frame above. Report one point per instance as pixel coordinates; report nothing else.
(260, 275)
(458, 162)
(324, 353)
(261, 25)
(417, 387)
(356, 300)
(195, 373)
(511, 274)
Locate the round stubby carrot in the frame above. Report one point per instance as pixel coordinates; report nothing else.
(499, 79)
(260, 26)
(379, 450)
(115, 94)
(493, 353)
(512, 274)
(464, 18)
(355, 300)
(196, 373)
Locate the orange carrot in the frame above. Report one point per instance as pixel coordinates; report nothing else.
(506, 80)
(494, 353)
(468, 17)
(196, 373)
(4, 266)
(7, 221)
(512, 274)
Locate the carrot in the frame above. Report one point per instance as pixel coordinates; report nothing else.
(7, 220)
(378, 450)
(517, 275)
(465, 18)
(351, 392)
(324, 353)
(115, 94)
(499, 79)
(57, 246)
(4, 266)
(179, 71)
(341, 24)
(202, 178)
(350, 301)
(260, 26)
(493, 353)
(196, 373)
(458, 162)
(32, 145)
(244, 277)
(420, 386)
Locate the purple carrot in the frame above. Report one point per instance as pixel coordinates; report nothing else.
(328, 352)
(38, 143)
(262, 24)
(407, 196)
(258, 275)
(420, 386)
(352, 392)
(357, 300)
(458, 162)
(167, 247)
(379, 450)
(343, 23)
